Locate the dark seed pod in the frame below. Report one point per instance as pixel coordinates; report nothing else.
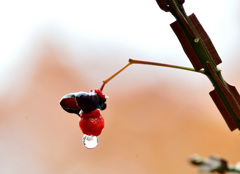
(103, 106)
(101, 100)
(87, 101)
(69, 103)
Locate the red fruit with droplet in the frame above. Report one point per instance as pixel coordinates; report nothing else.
(91, 123)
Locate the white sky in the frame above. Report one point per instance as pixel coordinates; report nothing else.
(125, 20)
(134, 24)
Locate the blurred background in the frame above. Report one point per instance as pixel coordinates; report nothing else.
(156, 117)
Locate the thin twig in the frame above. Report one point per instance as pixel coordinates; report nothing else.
(133, 61)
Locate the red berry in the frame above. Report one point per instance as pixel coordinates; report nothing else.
(91, 123)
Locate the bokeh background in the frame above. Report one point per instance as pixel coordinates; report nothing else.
(156, 117)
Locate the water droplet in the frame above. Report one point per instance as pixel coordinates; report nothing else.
(90, 141)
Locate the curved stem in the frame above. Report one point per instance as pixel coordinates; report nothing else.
(133, 61)
(112, 76)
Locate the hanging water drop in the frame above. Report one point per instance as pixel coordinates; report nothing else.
(90, 141)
